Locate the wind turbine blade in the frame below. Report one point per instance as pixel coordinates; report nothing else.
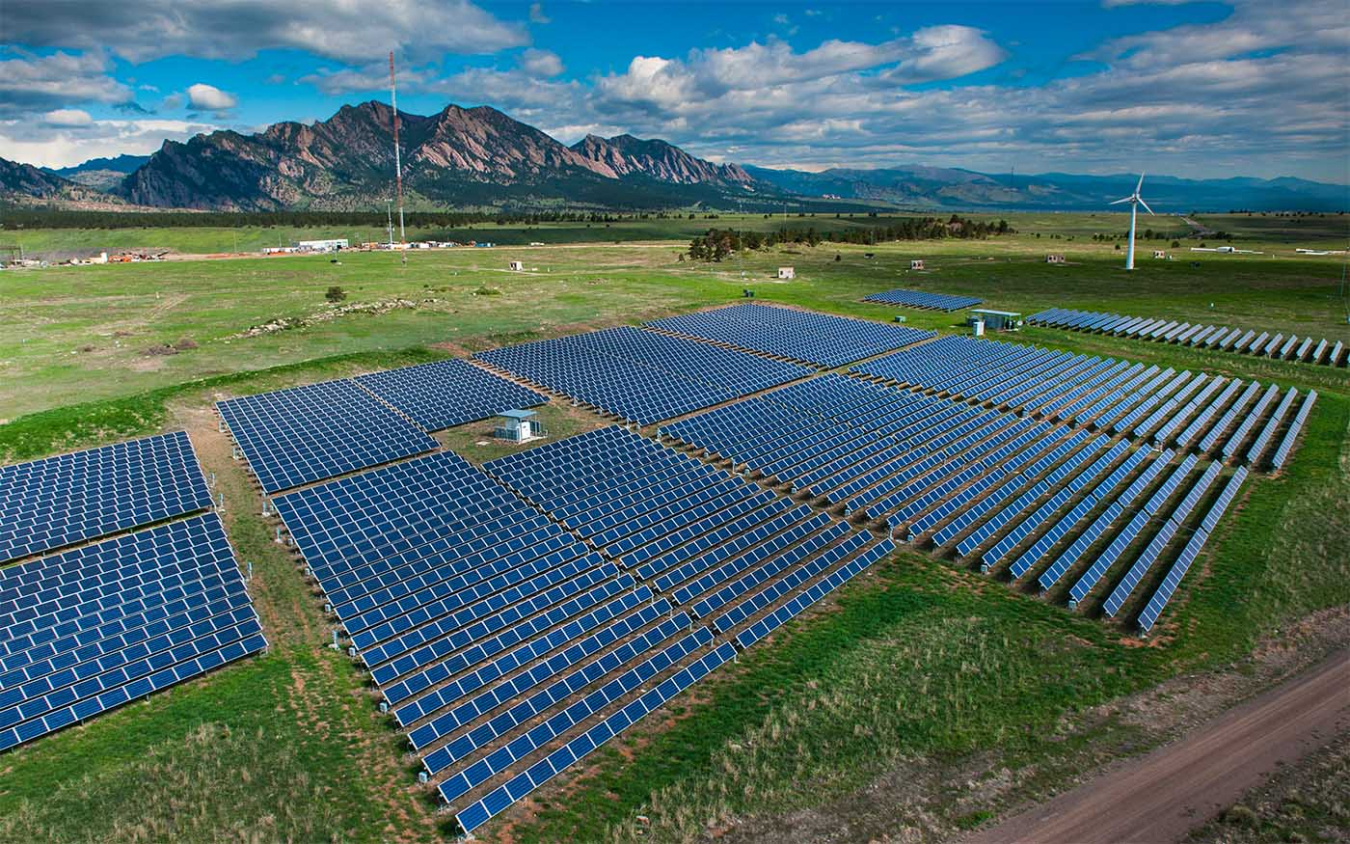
(1145, 204)
(1118, 201)
(1139, 186)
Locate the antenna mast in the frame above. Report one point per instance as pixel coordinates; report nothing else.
(398, 164)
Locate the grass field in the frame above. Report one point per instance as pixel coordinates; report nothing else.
(917, 666)
(99, 332)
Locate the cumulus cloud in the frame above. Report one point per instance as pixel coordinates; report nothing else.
(45, 146)
(945, 52)
(67, 118)
(31, 83)
(541, 62)
(141, 30)
(537, 14)
(203, 97)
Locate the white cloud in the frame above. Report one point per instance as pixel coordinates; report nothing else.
(67, 118)
(141, 30)
(537, 14)
(203, 97)
(31, 83)
(22, 140)
(541, 62)
(945, 52)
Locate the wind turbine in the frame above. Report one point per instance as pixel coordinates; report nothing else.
(1135, 201)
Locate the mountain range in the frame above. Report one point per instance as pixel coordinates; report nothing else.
(482, 158)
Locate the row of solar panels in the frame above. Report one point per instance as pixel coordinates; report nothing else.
(921, 299)
(641, 376)
(1260, 344)
(1145, 403)
(305, 434)
(61, 501)
(804, 336)
(560, 593)
(1023, 496)
(107, 622)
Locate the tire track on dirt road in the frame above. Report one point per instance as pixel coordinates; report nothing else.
(1164, 795)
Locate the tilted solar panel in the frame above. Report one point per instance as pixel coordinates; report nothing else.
(59, 501)
(89, 629)
(305, 434)
(448, 393)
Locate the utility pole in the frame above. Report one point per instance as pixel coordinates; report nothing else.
(398, 165)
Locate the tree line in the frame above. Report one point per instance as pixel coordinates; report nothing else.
(716, 244)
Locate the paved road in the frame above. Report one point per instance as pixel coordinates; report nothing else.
(1166, 794)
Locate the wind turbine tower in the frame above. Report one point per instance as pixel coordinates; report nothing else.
(1135, 201)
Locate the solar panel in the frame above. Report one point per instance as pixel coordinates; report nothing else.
(1287, 444)
(59, 501)
(1226, 339)
(89, 629)
(642, 376)
(482, 600)
(448, 393)
(305, 434)
(921, 299)
(819, 339)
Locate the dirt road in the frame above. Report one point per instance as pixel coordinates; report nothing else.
(1164, 795)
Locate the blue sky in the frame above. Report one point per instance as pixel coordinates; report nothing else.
(1248, 87)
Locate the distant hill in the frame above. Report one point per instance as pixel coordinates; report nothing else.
(935, 187)
(462, 157)
(481, 158)
(26, 184)
(101, 173)
(625, 155)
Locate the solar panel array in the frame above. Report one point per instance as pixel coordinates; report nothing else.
(1025, 495)
(819, 339)
(304, 434)
(60, 501)
(1198, 335)
(921, 299)
(92, 628)
(497, 623)
(885, 454)
(448, 393)
(1161, 407)
(641, 376)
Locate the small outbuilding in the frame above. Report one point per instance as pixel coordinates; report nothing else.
(518, 266)
(1159, 253)
(916, 264)
(995, 320)
(518, 426)
(786, 273)
(1054, 258)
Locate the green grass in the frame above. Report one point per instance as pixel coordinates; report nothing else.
(919, 662)
(85, 331)
(225, 758)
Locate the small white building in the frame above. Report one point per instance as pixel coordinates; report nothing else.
(916, 264)
(786, 273)
(1054, 258)
(1159, 253)
(330, 245)
(518, 266)
(518, 426)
